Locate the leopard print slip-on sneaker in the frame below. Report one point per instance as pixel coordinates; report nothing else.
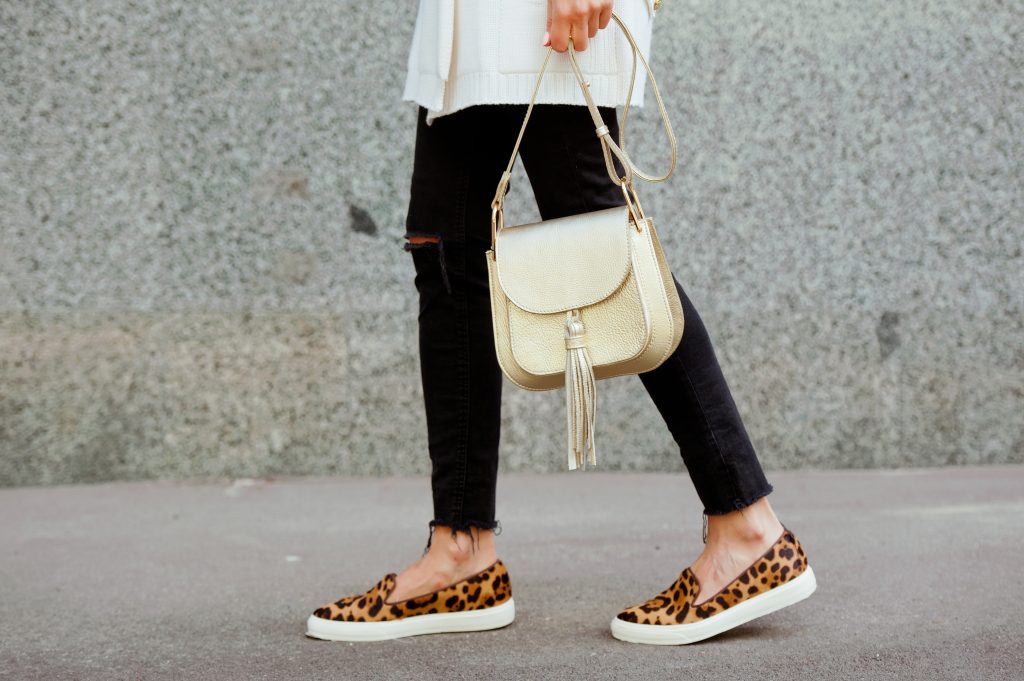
(778, 578)
(478, 602)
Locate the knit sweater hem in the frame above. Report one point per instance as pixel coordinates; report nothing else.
(470, 89)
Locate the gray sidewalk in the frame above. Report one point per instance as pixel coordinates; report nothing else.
(918, 578)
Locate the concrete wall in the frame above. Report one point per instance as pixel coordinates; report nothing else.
(202, 206)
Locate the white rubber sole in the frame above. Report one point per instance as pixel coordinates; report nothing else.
(781, 596)
(430, 623)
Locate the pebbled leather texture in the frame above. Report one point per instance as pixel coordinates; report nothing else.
(615, 332)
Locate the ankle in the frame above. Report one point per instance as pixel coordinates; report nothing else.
(463, 547)
(753, 524)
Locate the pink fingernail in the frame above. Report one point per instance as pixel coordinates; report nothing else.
(547, 38)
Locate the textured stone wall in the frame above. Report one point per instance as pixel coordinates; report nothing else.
(202, 207)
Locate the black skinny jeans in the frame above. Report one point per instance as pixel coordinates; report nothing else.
(458, 162)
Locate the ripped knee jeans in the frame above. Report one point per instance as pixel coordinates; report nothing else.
(458, 161)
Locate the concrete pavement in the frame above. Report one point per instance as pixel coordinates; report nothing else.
(918, 571)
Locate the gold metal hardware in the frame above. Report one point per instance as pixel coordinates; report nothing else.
(636, 211)
(497, 218)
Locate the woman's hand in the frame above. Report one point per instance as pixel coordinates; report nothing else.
(583, 17)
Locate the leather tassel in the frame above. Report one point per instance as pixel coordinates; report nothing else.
(580, 393)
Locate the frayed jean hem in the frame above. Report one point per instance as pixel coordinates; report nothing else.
(465, 526)
(738, 504)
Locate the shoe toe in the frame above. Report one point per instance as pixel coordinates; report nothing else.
(627, 615)
(324, 612)
(339, 610)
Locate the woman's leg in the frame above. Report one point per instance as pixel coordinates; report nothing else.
(566, 168)
(457, 164)
(693, 397)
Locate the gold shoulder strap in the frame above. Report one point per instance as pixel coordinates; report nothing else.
(609, 147)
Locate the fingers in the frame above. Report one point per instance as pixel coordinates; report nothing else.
(558, 34)
(581, 33)
(594, 21)
(583, 17)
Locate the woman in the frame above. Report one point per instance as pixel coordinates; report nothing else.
(472, 69)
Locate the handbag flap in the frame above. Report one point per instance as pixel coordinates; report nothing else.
(564, 263)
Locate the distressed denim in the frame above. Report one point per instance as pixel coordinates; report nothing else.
(458, 162)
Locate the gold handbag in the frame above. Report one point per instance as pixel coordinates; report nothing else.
(588, 296)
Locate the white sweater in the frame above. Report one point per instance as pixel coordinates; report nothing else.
(467, 52)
